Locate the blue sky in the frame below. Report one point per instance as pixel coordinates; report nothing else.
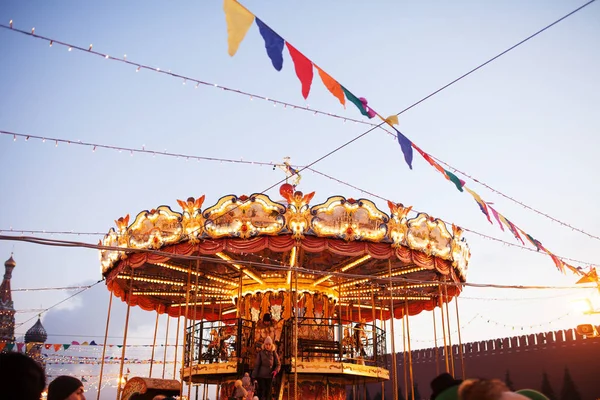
(525, 124)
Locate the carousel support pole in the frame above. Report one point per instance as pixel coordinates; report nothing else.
(185, 321)
(437, 353)
(449, 334)
(153, 345)
(201, 328)
(382, 324)
(374, 338)
(404, 362)
(176, 344)
(394, 365)
(460, 347)
(166, 346)
(125, 334)
(441, 304)
(410, 369)
(104, 345)
(296, 341)
(193, 334)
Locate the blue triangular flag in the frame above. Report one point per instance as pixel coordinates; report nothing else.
(406, 146)
(273, 44)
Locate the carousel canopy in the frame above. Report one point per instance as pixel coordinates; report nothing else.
(345, 250)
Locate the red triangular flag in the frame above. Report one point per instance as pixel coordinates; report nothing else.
(304, 69)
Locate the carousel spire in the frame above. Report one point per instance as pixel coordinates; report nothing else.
(7, 310)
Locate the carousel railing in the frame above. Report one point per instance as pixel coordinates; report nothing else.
(210, 342)
(334, 340)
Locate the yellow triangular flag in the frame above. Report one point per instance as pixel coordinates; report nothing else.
(28, 347)
(238, 21)
(392, 120)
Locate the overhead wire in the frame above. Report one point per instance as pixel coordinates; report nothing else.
(63, 243)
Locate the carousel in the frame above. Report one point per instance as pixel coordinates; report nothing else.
(320, 279)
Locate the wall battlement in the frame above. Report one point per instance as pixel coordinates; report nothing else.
(525, 359)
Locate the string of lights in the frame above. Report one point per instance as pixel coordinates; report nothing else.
(50, 288)
(185, 79)
(247, 162)
(522, 327)
(63, 243)
(59, 303)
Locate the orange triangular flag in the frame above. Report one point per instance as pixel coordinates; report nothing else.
(57, 347)
(332, 85)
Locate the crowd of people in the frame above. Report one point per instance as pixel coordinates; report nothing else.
(445, 387)
(21, 378)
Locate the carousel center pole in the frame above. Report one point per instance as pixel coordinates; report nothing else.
(104, 346)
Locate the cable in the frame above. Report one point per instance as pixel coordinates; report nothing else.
(62, 243)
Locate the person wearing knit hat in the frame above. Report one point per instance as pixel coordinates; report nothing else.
(266, 368)
(65, 388)
(532, 394)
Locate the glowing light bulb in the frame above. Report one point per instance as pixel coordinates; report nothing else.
(51, 43)
(90, 48)
(10, 23)
(138, 69)
(33, 31)
(70, 48)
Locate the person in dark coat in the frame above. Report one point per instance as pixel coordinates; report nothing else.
(266, 367)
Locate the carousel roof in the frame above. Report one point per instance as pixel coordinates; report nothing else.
(344, 248)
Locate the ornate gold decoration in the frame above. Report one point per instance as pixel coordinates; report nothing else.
(192, 222)
(349, 219)
(460, 251)
(244, 217)
(297, 214)
(397, 227)
(155, 228)
(430, 236)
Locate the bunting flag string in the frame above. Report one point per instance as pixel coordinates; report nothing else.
(19, 346)
(238, 19)
(304, 71)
